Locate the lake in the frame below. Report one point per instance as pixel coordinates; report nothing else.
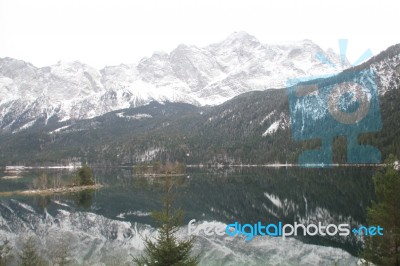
(105, 227)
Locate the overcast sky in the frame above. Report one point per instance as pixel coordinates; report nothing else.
(100, 32)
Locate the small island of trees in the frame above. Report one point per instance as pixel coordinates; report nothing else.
(159, 169)
(83, 179)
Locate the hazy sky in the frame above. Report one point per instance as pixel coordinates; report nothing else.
(111, 32)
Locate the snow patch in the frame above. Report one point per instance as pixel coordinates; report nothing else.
(23, 205)
(134, 117)
(133, 213)
(272, 129)
(148, 155)
(25, 126)
(59, 129)
(267, 117)
(60, 203)
(274, 199)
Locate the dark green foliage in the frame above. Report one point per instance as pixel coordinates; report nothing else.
(29, 255)
(86, 176)
(167, 250)
(385, 250)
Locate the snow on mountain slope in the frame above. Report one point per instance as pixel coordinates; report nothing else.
(200, 76)
(88, 235)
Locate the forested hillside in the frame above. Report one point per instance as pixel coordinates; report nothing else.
(253, 127)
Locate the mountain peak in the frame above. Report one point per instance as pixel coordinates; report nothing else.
(67, 64)
(12, 62)
(240, 37)
(206, 75)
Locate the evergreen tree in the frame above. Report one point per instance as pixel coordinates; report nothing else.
(385, 250)
(167, 250)
(86, 176)
(29, 255)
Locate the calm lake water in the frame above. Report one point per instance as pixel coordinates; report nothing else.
(217, 196)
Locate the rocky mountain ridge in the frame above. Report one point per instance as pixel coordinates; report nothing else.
(199, 76)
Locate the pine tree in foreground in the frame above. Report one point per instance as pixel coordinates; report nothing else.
(29, 255)
(385, 250)
(167, 250)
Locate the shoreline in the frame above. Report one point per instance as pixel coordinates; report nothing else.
(50, 191)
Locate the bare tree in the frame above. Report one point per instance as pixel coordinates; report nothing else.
(40, 182)
(57, 182)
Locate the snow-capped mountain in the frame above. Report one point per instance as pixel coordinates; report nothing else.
(87, 235)
(200, 76)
